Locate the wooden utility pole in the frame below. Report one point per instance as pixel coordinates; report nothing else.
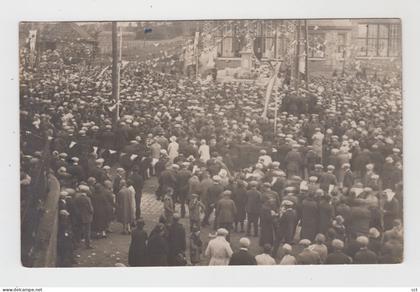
(297, 75)
(115, 72)
(344, 62)
(196, 52)
(306, 55)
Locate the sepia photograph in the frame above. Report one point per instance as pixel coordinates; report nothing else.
(211, 142)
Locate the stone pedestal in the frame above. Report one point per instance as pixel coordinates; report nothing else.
(246, 60)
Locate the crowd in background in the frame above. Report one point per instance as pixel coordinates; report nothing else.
(325, 187)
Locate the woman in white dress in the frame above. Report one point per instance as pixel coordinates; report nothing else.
(219, 249)
(204, 151)
(317, 140)
(173, 149)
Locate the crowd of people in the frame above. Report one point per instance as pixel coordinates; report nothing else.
(324, 188)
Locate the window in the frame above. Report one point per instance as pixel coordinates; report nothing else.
(341, 44)
(316, 45)
(229, 43)
(269, 41)
(394, 48)
(378, 40)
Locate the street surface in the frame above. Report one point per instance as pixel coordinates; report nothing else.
(114, 249)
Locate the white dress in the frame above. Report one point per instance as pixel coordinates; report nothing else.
(173, 149)
(219, 251)
(204, 152)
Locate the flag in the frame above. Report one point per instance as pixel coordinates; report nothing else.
(270, 86)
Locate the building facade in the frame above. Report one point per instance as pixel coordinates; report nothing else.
(332, 44)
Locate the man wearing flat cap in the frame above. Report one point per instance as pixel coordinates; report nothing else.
(167, 179)
(177, 242)
(294, 162)
(307, 256)
(338, 257)
(212, 196)
(309, 217)
(253, 207)
(182, 186)
(285, 225)
(84, 210)
(77, 172)
(364, 255)
(242, 257)
(225, 211)
(348, 178)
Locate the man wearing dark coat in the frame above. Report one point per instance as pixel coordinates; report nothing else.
(310, 160)
(76, 170)
(318, 172)
(157, 247)
(100, 208)
(360, 219)
(161, 164)
(377, 158)
(138, 184)
(267, 223)
(107, 138)
(137, 253)
(309, 219)
(279, 183)
(348, 178)
(391, 210)
(177, 242)
(307, 256)
(167, 179)
(326, 214)
(282, 151)
(285, 226)
(294, 162)
(98, 172)
(121, 136)
(253, 207)
(84, 210)
(389, 174)
(338, 257)
(240, 198)
(225, 211)
(182, 186)
(117, 180)
(243, 256)
(365, 255)
(212, 196)
(328, 179)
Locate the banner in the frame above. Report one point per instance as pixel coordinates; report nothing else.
(269, 90)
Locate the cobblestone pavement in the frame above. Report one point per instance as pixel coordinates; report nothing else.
(114, 249)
